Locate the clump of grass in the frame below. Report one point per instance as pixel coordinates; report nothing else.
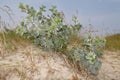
(11, 35)
(113, 42)
(10, 38)
(10, 41)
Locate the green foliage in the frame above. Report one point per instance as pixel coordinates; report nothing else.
(51, 33)
(89, 53)
(48, 31)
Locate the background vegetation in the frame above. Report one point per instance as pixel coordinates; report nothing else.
(113, 42)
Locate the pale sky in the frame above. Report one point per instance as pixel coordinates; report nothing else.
(102, 14)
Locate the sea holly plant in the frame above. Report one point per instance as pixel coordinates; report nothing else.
(47, 30)
(89, 53)
(50, 32)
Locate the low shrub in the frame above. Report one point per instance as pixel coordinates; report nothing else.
(88, 54)
(51, 33)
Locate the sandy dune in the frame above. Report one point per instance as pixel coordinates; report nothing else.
(31, 63)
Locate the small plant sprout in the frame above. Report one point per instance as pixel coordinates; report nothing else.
(91, 57)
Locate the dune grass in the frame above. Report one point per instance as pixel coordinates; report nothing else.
(14, 65)
(113, 42)
(9, 40)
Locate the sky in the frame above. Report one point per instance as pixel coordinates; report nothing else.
(103, 15)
